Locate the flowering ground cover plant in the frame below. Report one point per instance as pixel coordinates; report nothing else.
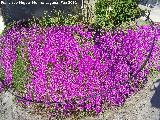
(66, 64)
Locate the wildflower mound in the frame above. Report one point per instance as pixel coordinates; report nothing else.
(69, 69)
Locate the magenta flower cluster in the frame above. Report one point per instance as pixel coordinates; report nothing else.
(65, 70)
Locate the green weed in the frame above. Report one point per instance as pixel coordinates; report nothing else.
(19, 72)
(1, 73)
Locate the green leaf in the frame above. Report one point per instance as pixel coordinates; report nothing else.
(1, 73)
(19, 72)
(122, 11)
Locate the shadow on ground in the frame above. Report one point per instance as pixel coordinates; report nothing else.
(155, 100)
(16, 12)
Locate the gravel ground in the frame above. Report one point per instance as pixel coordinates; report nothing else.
(143, 105)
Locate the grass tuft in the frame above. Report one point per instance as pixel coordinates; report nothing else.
(19, 72)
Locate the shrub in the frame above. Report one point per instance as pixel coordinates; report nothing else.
(112, 13)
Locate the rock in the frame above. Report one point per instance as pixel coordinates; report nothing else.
(154, 12)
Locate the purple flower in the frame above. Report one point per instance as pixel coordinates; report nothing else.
(62, 69)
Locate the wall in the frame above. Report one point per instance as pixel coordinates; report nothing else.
(11, 12)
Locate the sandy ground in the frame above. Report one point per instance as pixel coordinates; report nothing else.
(144, 105)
